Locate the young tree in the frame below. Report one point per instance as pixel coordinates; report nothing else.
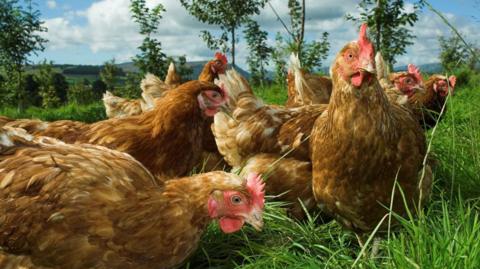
(21, 27)
(259, 51)
(454, 53)
(228, 14)
(131, 88)
(46, 88)
(311, 54)
(278, 57)
(32, 90)
(388, 21)
(59, 82)
(98, 88)
(108, 74)
(80, 94)
(151, 59)
(181, 66)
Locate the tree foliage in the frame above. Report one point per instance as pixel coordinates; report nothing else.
(46, 88)
(99, 88)
(454, 53)
(228, 14)
(311, 54)
(181, 66)
(131, 89)
(259, 51)
(108, 74)
(278, 58)
(20, 28)
(32, 90)
(151, 58)
(388, 21)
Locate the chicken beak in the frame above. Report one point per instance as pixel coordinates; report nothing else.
(255, 219)
(368, 67)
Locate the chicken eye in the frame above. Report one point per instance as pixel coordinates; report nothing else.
(408, 81)
(236, 199)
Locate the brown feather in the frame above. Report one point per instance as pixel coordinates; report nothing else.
(91, 207)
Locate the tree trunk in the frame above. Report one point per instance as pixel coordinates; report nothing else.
(233, 46)
(302, 31)
(20, 95)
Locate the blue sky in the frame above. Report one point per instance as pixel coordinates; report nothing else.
(92, 32)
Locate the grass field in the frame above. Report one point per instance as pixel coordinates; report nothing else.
(446, 234)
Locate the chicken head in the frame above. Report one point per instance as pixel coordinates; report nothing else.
(219, 65)
(355, 63)
(210, 101)
(233, 208)
(441, 86)
(410, 82)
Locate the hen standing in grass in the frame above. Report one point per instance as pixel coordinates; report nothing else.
(86, 206)
(362, 144)
(437, 87)
(168, 140)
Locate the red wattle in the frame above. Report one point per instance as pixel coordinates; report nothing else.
(230, 225)
(357, 79)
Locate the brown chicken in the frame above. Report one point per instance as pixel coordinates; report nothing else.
(85, 206)
(253, 128)
(168, 140)
(213, 68)
(362, 144)
(118, 107)
(305, 88)
(172, 78)
(153, 87)
(437, 89)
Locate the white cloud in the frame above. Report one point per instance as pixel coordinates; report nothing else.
(51, 4)
(109, 28)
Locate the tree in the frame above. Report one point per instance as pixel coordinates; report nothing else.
(132, 86)
(98, 88)
(311, 54)
(278, 57)
(259, 51)
(21, 27)
(228, 14)
(181, 67)
(32, 90)
(108, 74)
(388, 21)
(454, 53)
(46, 86)
(60, 84)
(151, 59)
(80, 94)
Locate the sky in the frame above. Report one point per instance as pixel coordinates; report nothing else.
(95, 31)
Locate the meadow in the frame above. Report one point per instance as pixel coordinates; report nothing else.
(445, 234)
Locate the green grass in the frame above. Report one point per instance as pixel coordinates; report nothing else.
(88, 113)
(446, 234)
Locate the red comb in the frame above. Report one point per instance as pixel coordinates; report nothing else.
(366, 47)
(452, 80)
(220, 56)
(415, 71)
(255, 187)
